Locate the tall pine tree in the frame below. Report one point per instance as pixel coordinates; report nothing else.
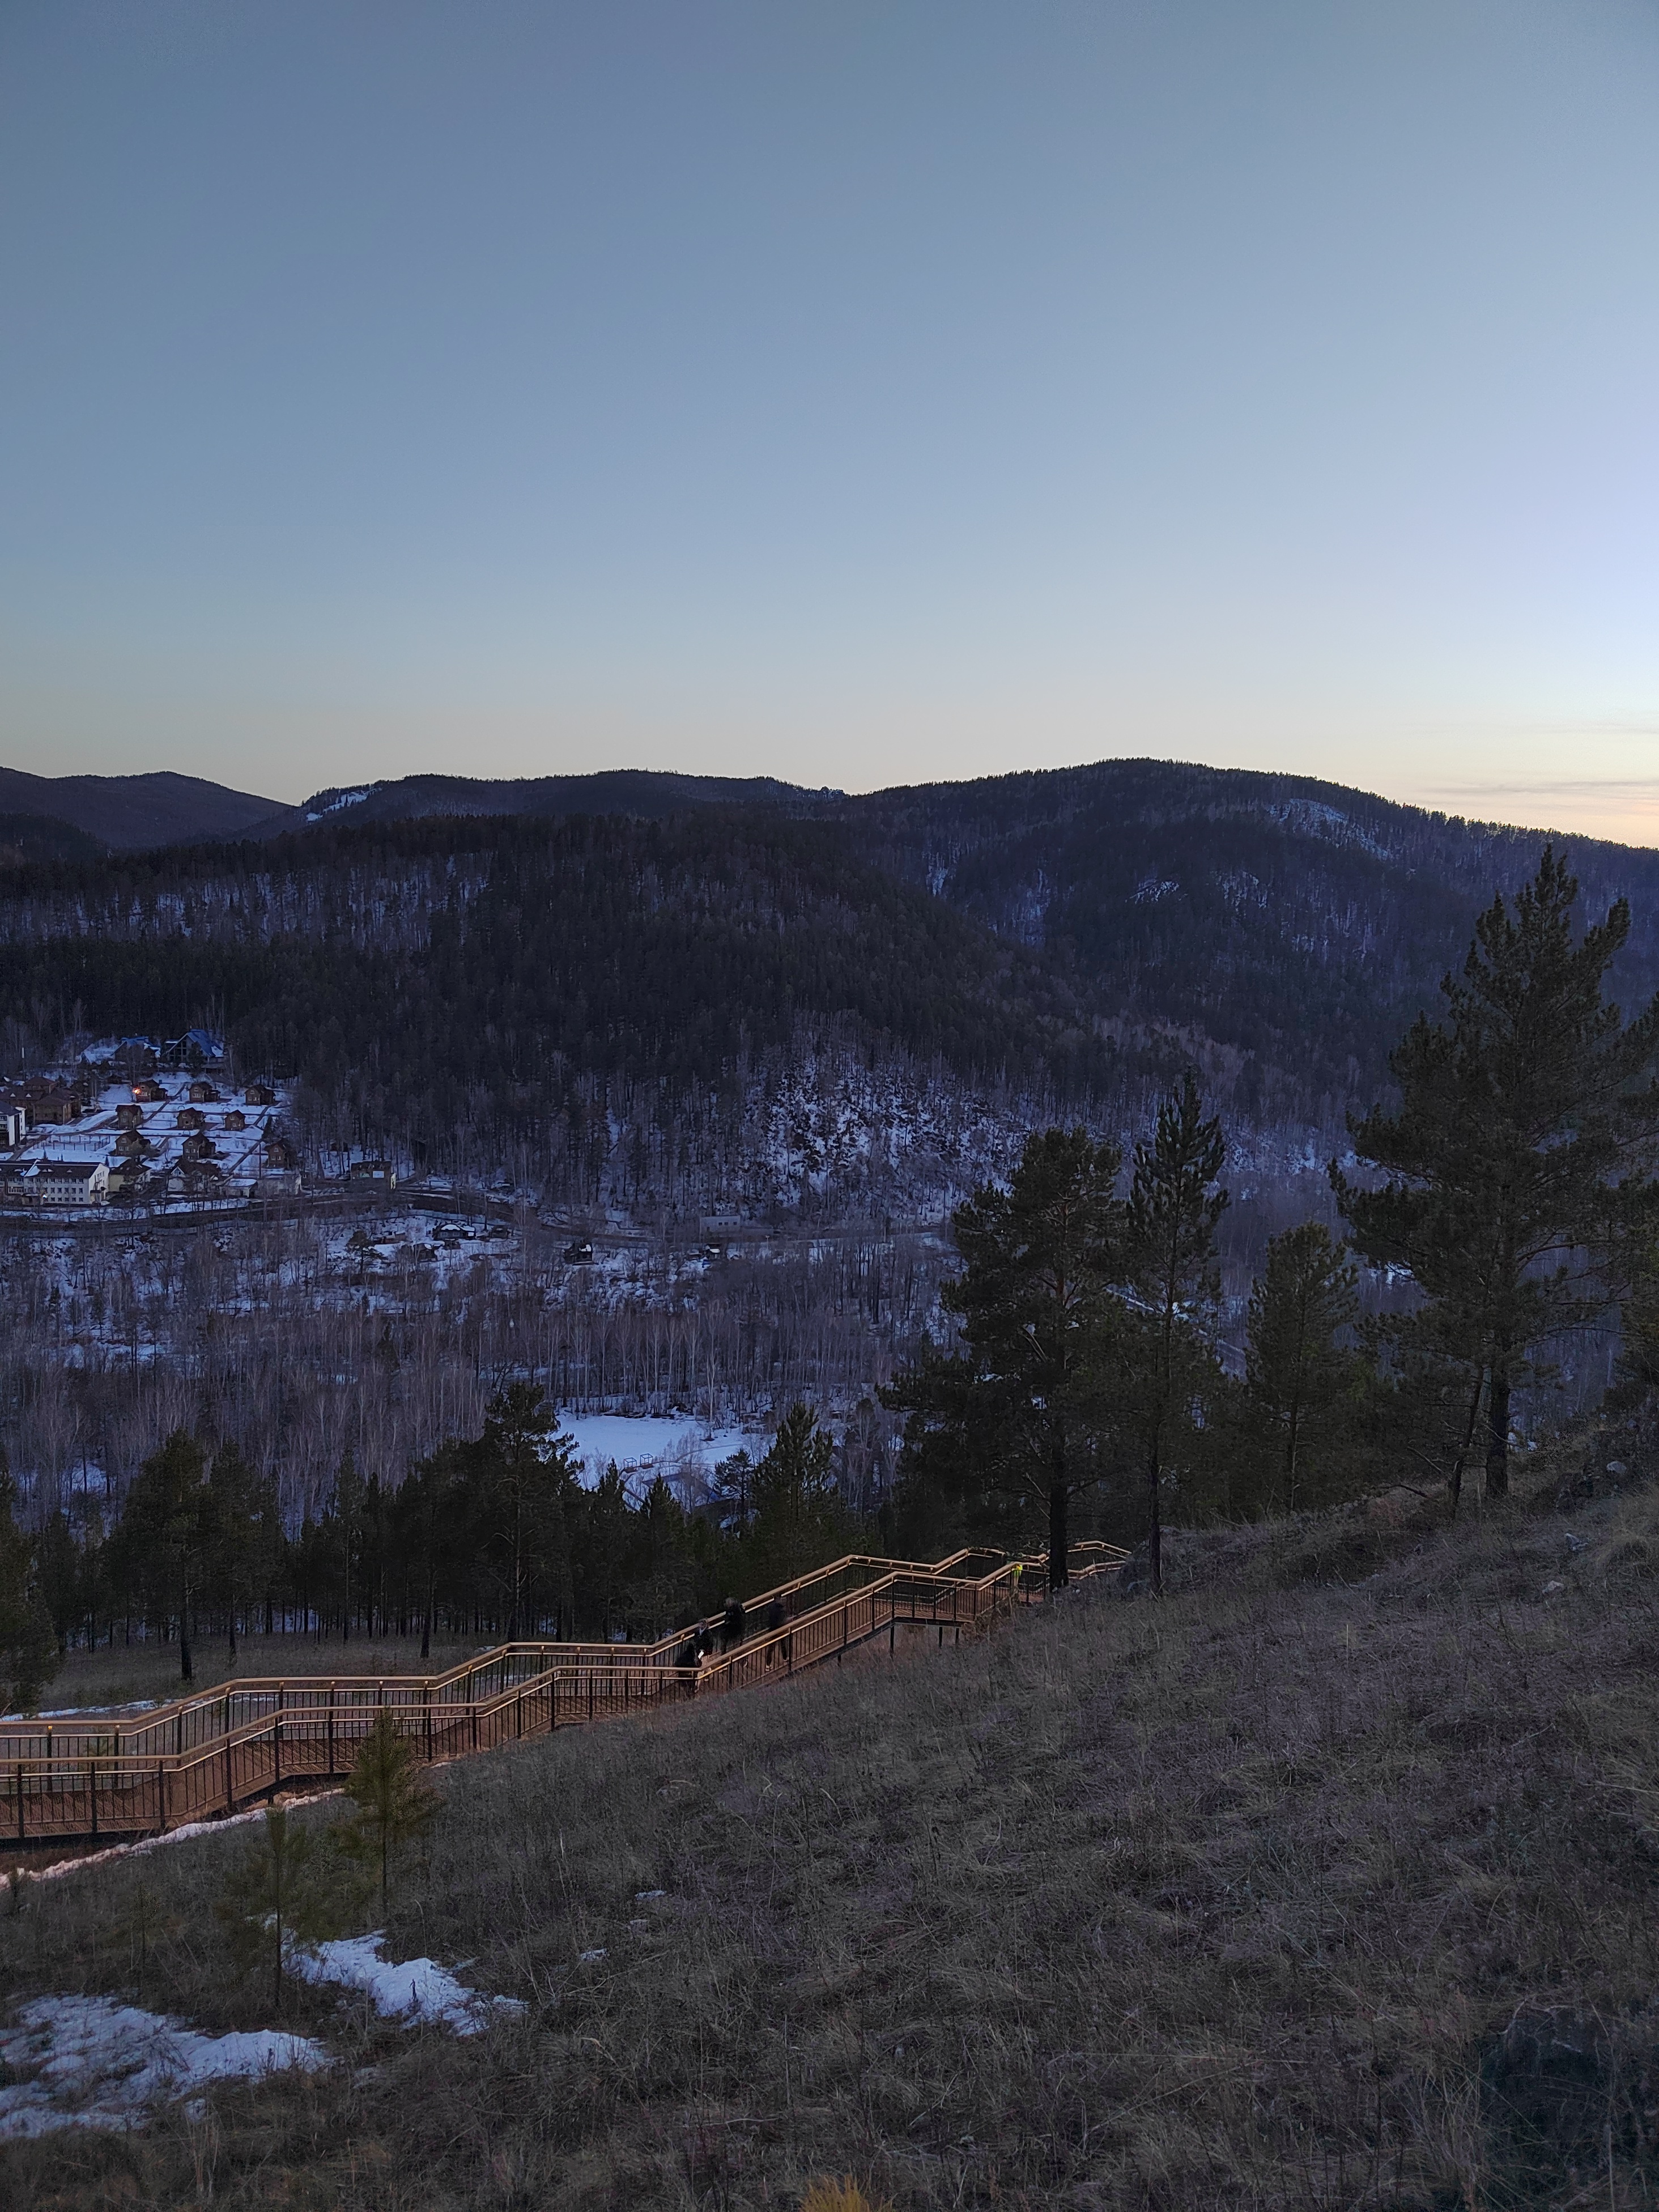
(1516, 1168)
(1008, 1419)
(1175, 1207)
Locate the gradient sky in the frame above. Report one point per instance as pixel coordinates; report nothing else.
(859, 393)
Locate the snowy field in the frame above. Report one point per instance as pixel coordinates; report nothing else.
(680, 1450)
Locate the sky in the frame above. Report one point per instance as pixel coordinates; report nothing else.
(859, 394)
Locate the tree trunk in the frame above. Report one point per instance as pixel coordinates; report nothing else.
(1497, 1425)
(1059, 1536)
(1459, 1463)
(1154, 1524)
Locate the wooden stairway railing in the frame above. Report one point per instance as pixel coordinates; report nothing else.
(206, 1755)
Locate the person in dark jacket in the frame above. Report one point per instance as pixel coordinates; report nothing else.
(734, 1626)
(776, 1614)
(690, 1652)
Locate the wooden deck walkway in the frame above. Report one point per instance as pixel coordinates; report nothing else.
(207, 1755)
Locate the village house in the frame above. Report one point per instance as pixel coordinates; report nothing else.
(129, 1115)
(51, 1105)
(191, 1117)
(196, 1179)
(196, 1049)
(14, 1121)
(127, 1177)
(274, 1182)
(70, 1182)
(202, 1093)
(235, 1119)
(149, 1092)
(380, 1173)
(259, 1094)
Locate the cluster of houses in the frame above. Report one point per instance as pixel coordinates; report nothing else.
(81, 1139)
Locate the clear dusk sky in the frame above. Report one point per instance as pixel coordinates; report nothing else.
(858, 393)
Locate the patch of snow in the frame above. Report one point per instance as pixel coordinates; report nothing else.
(340, 799)
(418, 1992)
(93, 1712)
(92, 2062)
(180, 1835)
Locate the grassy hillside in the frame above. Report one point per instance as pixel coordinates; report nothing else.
(1329, 1882)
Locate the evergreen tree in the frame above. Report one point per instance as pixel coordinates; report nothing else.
(1173, 1213)
(526, 1473)
(28, 1645)
(394, 1804)
(423, 1512)
(60, 1577)
(286, 1890)
(1301, 1380)
(231, 1535)
(800, 1520)
(665, 1561)
(343, 1527)
(165, 1535)
(1516, 1166)
(1010, 1420)
(603, 1555)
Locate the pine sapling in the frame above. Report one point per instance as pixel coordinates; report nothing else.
(287, 1890)
(394, 1804)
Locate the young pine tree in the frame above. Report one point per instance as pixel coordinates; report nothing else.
(288, 1889)
(1518, 1167)
(1302, 1382)
(394, 1804)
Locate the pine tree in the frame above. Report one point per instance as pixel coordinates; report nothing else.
(527, 1473)
(287, 1889)
(1301, 1379)
(166, 1533)
(800, 1520)
(394, 1804)
(28, 1645)
(1174, 1211)
(232, 1534)
(1010, 1420)
(1518, 1165)
(343, 1528)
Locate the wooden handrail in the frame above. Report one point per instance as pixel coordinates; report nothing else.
(59, 1781)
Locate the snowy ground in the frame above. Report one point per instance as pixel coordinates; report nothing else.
(645, 1446)
(418, 1992)
(91, 2063)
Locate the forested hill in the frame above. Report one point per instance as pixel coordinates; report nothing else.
(770, 994)
(1294, 923)
(661, 1012)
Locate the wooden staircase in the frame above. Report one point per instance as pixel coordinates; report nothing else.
(207, 1755)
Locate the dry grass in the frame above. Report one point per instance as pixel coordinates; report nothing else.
(1291, 1892)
